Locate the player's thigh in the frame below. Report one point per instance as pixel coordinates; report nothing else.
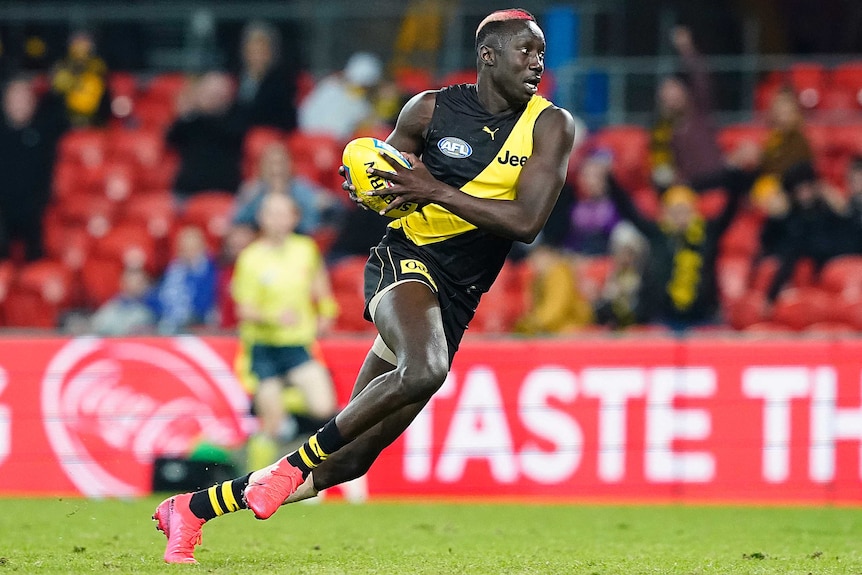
(409, 320)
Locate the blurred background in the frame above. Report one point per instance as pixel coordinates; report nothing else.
(715, 189)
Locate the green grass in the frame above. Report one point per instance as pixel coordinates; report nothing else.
(80, 536)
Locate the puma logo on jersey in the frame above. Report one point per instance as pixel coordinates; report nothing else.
(511, 159)
(490, 131)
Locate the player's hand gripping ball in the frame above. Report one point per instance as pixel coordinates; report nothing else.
(363, 153)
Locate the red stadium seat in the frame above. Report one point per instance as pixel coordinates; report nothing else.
(69, 244)
(767, 327)
(256, 141)
(808, 79)
(142, 147)
(647, 201)
(346, 277)
(743, 236)
(39, 294)
(504, 303)
(411, 81)
(592, 273)
(731, 137)
(100, 280)
(84, 146)
(843, 275)
(828, 328)
(801, 307)
(122, 84)
(733, 275)
(166, 86)
(128, 244)
(154, 113)
(88, 210)
(155, 212)
(747, 310)
(847, 78)
(316, 156)
(210, 211)
(847, 310)
(465, 76)
(630, 148)
(710, 203)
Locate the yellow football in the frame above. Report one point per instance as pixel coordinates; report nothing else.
(363, 153)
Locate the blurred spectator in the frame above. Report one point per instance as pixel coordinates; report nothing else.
(339, 104)
(186, 296)
(130, 312)
(317, 207)
(29, 131)
(81, 78)
(787, 144)
(810, 222)
(583, 218)
(208, 135)
(683, 250)
(266, 93)
(284, 301)
(683, 143)
(557, 306)
(621, 303)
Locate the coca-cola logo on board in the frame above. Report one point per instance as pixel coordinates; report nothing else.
(111, 406)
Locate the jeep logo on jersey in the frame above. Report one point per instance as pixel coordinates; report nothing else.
(454, 147)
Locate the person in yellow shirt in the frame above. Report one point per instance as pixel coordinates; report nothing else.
(283, 301)
(81, 79)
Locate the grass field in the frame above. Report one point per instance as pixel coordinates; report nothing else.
(81, 536)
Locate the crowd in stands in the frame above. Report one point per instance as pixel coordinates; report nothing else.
(127, 200)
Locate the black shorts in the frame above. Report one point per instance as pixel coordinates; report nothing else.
(276, 360)
(397, 259)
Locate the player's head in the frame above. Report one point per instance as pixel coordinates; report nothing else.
(510, 49)
(277, 216)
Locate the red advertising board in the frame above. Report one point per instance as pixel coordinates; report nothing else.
(648, 419)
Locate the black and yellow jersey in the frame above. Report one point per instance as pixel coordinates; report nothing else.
(482, 155)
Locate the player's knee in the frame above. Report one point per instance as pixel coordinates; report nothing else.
(421, 379)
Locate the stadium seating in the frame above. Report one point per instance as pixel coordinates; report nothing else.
(798, 308)
(346, 278)
(256, 141)
(38, 296)
(630, 148)
(211, 211)
(843, 275)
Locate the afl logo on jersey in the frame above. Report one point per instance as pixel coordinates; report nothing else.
(454, 147)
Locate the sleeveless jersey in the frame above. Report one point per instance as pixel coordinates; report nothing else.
(482, 155)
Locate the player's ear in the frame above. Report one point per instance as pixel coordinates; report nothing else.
(487, 55)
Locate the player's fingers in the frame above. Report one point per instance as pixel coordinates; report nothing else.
(411, 158)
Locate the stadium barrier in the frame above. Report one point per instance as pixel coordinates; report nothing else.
(628, 419)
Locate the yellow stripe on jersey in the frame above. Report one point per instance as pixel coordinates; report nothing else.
(498, 181)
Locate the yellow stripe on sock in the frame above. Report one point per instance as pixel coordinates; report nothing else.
(214, 500)
(315, 447)
(305, 458)
(229, 499)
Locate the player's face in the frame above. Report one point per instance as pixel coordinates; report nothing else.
(522, 63)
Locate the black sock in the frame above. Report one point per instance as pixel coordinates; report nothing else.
(219, 499)
(318, 447)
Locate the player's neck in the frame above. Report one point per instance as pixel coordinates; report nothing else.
(491, 99)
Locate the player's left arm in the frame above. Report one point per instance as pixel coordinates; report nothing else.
(539, 184)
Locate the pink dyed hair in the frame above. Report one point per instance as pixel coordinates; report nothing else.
(504, 15)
